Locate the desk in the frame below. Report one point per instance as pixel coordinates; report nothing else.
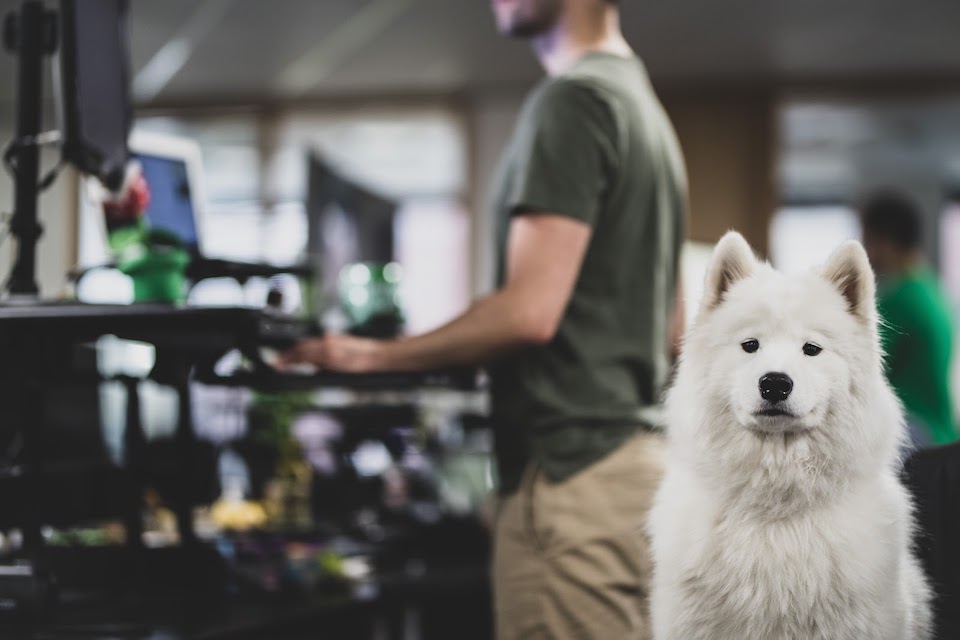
(181, 329)
(431, 577)
(36, 340)
(447, 603)
(203, 331)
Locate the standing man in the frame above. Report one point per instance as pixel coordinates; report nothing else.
(578, 335)
(917, 331)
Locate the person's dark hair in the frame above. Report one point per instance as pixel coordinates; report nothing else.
(893, 217)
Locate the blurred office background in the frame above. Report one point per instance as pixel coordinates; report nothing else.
(787, 113)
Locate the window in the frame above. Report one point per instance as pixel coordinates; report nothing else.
(950, 250)
(804, 236)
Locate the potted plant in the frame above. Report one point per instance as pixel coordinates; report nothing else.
(280, 458)
(153, 258)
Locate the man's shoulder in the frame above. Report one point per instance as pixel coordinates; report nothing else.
(601, 83)
(569, 101)
(569, 90)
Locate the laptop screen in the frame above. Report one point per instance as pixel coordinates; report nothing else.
(171, 203)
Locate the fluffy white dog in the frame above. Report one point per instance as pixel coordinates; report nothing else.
(781, 515)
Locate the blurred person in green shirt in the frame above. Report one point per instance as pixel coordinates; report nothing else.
(918, 323)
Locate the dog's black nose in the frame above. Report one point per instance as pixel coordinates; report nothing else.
(775, 387)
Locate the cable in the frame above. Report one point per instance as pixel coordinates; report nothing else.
(50, 176)
(41, 139)
(10, 163)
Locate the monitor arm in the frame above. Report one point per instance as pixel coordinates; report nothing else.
(31, 34)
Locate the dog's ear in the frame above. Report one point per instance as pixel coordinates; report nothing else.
(732, 260)
(848, 269)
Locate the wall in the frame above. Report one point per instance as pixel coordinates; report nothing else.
(728, 142)
(491, 119)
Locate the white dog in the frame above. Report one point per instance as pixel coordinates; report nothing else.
(781, 516)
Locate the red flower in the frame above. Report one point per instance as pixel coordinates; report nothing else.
(128, 206)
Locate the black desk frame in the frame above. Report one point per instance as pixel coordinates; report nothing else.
(188, 342)
(39, 337)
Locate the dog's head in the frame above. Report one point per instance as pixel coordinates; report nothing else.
(789, 348)
(781, 359)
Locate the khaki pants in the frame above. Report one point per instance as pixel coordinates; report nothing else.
(571, 559)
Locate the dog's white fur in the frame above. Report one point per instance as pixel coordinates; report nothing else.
(789, 527)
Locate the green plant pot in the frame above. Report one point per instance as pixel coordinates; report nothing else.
(158, 275)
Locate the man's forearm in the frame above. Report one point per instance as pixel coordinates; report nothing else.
(544, 254)
(494, 325)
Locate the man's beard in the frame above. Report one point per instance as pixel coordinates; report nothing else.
(543, 18)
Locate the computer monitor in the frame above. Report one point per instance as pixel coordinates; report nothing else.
(95, 82)
(346, 223)
(172, 166)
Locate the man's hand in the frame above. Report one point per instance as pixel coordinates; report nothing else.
(335, 352)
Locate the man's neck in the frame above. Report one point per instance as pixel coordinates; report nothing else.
(911, 261)
(902, 265)
(575, 35)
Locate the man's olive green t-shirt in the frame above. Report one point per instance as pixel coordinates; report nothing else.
(918, 342)
(593, 144)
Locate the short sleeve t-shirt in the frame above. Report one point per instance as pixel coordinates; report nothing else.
(593, 144)
(918, 342)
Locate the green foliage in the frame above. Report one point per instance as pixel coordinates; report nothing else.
(271, 422)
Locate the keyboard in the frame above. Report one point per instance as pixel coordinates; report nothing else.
(278, 331)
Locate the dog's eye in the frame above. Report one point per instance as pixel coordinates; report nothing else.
(750, 346)
(811, 349)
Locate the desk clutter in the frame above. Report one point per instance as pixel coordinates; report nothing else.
(314, 489)
(159, 476)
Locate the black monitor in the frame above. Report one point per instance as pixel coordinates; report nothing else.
(95, 79)
(346, 223)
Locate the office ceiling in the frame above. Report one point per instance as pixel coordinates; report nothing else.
(217, 51)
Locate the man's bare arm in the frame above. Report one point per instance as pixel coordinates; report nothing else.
(544, 256)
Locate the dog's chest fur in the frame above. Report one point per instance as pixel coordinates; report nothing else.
(810, 576)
